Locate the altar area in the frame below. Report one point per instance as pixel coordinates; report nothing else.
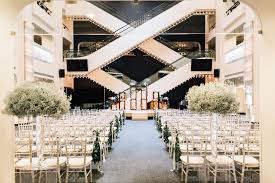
(139, 115)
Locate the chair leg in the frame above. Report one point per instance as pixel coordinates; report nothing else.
(215, 174)
(67, 174)
(182, 169)
(242, 175)
(32, 174)
(229, 177)
(207, 174)
(186, 174)
(40, 176)
(234, 173)
(59, 175)
(85, 174)
(20, 178)
(91, 172)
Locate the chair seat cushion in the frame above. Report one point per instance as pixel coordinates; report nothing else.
(220, 160)
(78, 162)
(228, 148)
(173, 139)
(25, 164)
(193, 160)
(103, 139)
(183, 147)
(25, 149)
(49, 163)
(247, 160)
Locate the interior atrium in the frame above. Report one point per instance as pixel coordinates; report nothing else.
(105, 91)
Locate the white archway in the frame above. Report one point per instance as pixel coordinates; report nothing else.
(265, 77)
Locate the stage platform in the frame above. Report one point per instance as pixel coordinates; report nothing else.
(139, 115)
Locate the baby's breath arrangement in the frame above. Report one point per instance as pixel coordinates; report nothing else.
(212, 97)
(35, 99)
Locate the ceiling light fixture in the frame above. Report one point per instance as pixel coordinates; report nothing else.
(135, 1)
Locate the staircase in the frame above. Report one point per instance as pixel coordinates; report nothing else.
(181, 74)
(108, 81)
(117, 25)
(132, 38)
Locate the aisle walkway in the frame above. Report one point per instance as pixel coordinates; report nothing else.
(139, 156)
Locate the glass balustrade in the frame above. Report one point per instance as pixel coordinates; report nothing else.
(119, 75)
(42, 54)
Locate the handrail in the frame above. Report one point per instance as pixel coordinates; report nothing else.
(174, 46)
(42, 5)
(65, 27)
(231, 9)
(147, 16)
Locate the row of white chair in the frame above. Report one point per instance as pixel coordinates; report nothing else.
(68, 143)
(211, 143)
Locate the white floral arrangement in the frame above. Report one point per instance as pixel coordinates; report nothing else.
(36, 99)
(212, 98)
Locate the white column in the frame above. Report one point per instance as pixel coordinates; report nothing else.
(58, 41)
(220, 39)
(9, 9)
(266, 98)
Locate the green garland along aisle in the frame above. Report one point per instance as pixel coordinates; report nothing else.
(110, 135)
(96, 151)
(177, 149)
(166, 133)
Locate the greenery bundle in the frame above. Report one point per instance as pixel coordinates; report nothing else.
(110, 135)
(96, 150)
(177, 149)
(36, 98)
(166, 133)
(212, 97)
(158, 123)
(117, 125)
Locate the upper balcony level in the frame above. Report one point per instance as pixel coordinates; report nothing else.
(234, 16)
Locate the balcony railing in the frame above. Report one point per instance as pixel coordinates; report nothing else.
(42, 54)
(235, 54)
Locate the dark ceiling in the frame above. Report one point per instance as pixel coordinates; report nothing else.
(137, 67)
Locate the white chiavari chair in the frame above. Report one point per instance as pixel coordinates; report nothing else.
(27, 162)
(248, 159)
(221, 160)
(78, 158)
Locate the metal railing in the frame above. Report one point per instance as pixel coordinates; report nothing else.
(42, 5)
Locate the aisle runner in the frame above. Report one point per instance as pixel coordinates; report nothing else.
(138, 157)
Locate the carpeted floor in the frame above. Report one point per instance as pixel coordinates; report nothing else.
(138, 156)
